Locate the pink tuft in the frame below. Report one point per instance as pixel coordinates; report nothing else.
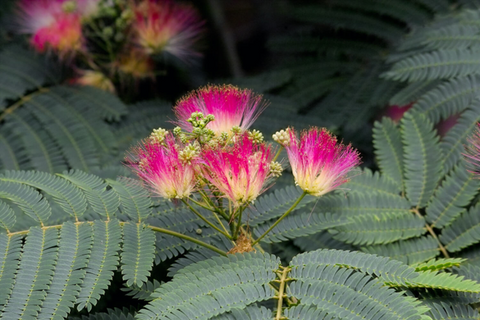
(161, 168)
(50, 26)
(319, 164)
(472, 151)
(230, 105)
(240, 171)
(164, 26)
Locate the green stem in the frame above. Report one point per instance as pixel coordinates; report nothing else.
(206, 220)
(185, 237)
(239, 224)
(281, 218)
(278, 153)
(216, 209)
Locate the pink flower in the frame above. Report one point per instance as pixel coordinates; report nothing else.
(318, 163)
(51, 26)
(240, 171)
(472, 151)
(164, 26)
(162, 167)
(229, 105)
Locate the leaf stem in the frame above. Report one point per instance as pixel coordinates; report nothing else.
(239, 224)
(430, 230)
(281, 292)
(281, 218)
(206, 220)
(188, 238)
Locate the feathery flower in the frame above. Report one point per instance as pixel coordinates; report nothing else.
(52, 24)
(472, 151)
(239, 171)
(318, 163)
(136, 64)
(164, 26)
(95, 79)
(231, 107)
(164, 168)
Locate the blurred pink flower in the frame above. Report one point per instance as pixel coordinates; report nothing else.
(52, 25)
(472, 151)
(229, 105)
(161, 167)
(239, 171)
(319, 164)
(164, 26)
(396, 112)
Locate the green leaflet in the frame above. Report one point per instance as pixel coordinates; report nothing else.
(34, 274)
(451, 198)
(137, 254)
(388, 150)
(422, 156)
(102, 263)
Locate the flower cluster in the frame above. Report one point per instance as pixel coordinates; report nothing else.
(112, 39)
(213, 151)
(213, 160)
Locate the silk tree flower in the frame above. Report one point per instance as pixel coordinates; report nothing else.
(472, 151)
(166, 167)
(136, 64)
(95, 79)
(165, 26)
(239, 171)
(319, 164)
(231, 107)
(53, 24)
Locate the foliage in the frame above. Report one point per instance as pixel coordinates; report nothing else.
(400, 242)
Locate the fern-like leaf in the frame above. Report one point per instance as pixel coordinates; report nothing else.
(410, 251)
(455, 193)
(103, 262)
(388, 150)
(135, 200)
(446, 311)
(10, 253)
(297, 225)
(137, 254)
(462, 232)
(422, 162)
(440, 64)
(73, 254)
(207, 289)
(34, 274)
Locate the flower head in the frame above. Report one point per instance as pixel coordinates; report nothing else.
(239, 171)
(164, 26)
(53, 24)
(165, 168)
(95, 79)
(135, 64)
(472, 154)
(319, 163)
(230, 106)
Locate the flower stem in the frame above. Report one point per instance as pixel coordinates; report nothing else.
(206, 220)
(278, 153)
(185, 237)
(280, 219)
(239, 224)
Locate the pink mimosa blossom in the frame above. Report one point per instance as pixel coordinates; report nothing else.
(319, 164)
(231, 106)
(164, 26)
(240, 171)
(95, 79)
(51, 26)
(472, 151)
(162, 168)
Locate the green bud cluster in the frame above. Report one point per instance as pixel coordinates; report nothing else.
(189, 152)
(256, 136)
(276, 169)
(158, 135)
(282, 137)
